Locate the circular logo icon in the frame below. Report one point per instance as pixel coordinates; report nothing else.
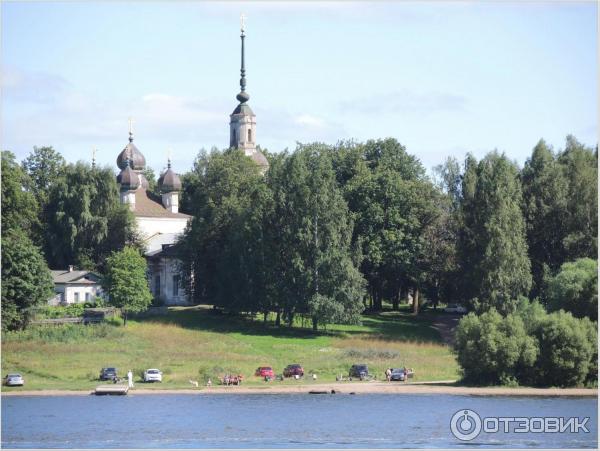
(465, 425)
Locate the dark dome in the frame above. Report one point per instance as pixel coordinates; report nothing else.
(138, 161)
(260, 159)
(128, 179)
(169, 181)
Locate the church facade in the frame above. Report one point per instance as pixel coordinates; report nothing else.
(158, 219)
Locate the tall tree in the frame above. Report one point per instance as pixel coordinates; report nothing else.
(494, 247)
(20, 209)
(580, 165)
(45, 166)
(224, 246)
(313, 231)
(26, 280)
(84, 218)
(545, 192)
(126, 283)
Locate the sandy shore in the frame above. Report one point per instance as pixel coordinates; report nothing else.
(442, 388)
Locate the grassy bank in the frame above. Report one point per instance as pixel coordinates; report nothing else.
(194, 344)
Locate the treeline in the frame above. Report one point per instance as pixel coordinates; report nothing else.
(54, 215)
(331, 230)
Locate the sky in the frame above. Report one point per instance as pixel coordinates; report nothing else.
(443, 78)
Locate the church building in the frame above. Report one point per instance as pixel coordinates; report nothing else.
(158, 219)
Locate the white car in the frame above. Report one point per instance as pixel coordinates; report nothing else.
(14, 379)
(153, 375)
(455, 308)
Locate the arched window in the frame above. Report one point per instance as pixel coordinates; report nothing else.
(249, 135)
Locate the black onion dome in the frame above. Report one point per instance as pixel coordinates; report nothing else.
(128, 179)
(137, 159)
(169, 181)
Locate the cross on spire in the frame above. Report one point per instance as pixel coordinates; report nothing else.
(130, 120)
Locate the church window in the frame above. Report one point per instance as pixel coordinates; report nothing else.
(175, 285)
(88, 297)
(157, 285)
(249, 136)
(76, 296)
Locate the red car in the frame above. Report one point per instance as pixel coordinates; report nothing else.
(265, 371)
(293, 370)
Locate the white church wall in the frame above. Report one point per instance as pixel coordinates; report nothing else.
(148, 226)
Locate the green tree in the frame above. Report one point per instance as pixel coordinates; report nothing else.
(494, 248)
(580, 165)
(568, 350)
(575, 289)
(85, 220)
(224, 247)
(393, 205)
(151, 178)
(492, 349)
(126, 283)
(19, 207)
(45, 167)
(313, 231)
(544, 206)
(26, 280)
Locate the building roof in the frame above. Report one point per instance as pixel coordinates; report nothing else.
(149, 205)
(259, 159)
(138, 161)
(244, 109)
(127, 178)
(76, 277)
(169, 181)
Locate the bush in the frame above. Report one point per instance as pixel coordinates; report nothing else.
(575, 289)
(492, 349)
(568, 350)
(529, 347)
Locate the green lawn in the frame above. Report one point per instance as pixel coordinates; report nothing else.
(195, 343)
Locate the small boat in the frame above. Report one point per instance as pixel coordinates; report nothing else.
(111, 390)
(322, 392)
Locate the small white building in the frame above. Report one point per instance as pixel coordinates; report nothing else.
(74, 287)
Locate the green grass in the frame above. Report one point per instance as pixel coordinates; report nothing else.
(196, 343)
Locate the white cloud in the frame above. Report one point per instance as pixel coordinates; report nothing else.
(309, 120)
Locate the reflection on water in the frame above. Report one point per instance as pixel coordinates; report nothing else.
(277, 421)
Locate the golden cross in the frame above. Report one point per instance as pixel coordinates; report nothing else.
(130, 125)
(243, 21)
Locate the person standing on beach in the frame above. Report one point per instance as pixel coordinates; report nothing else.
(388, 374)
(130, 378)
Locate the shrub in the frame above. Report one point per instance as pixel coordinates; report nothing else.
(492, 349)
(575, 288)
(568, 350)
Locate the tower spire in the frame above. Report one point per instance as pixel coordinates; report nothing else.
(130, 129)
(94, 157)
(243, 96)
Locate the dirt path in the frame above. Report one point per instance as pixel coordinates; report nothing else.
(445, 324)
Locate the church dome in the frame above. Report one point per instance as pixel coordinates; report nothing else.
(128, 179)
(137, 159)
(169, 181)
(260, 159)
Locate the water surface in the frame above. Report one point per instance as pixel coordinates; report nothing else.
(277, 421)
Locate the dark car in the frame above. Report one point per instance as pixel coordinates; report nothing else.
(398, 374)
(359, 371)
(108, 374)
(293, 370)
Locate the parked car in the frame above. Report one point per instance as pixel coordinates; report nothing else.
(108, 374)
(265, 371)
(14, 379)
(455, 308)
(153, 375)
(360, 371)
(398, 374)
(293, 370)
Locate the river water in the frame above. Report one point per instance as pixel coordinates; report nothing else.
(280, 421)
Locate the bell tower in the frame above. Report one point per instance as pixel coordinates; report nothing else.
(242, 126)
